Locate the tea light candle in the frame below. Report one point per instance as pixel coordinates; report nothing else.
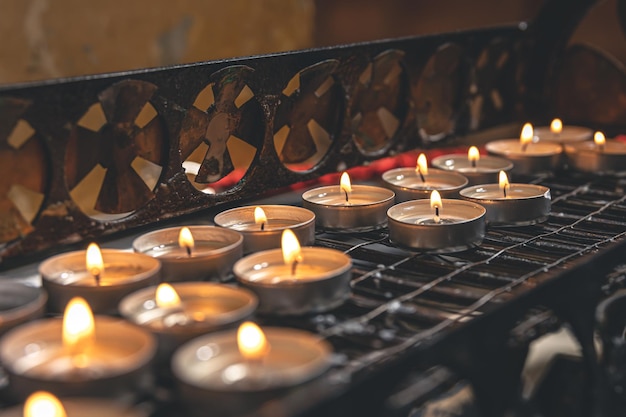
(262, 226)
(44, 404)
(233, 372)
(511, 204)
(417, 183)
(19, 303)
(600, 156)
(556, 132)
(100, 277)
(478, 169)
(192, 253)
(529, 156)
(437, 225)
(76, 355)
(348, 208)
(179, 312)
(295, 280)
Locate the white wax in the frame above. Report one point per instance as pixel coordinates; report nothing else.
(274, 274)
(513, 147)
(460, 163)
(514, 192)
(174, 251)
(113, 275)
(271, 225)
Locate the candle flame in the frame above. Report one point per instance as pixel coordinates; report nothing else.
(503, 181)
(556, 126)
(292, 254)
(344, 184)
(422, 165)
(94, 261)
(473, 155)
(436, 204)
(43, 404)
(252, 342)
(185, 240)
(526, 136)
(166, 296)
(78, 326)
(599, 139)
(259, 217)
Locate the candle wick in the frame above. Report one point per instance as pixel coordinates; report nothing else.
(346, 193)
(601, 148)
(96, 276)
(262, 226)
(188, 249)
(473, 163)
(524, 146)
(294, 265)
(419, 171)
(504, 190)
(437, 219)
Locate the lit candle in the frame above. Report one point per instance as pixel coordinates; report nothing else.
(295, 280)
(557, 132)
(477, 168)
(192, 253)
(262, 228)
(19, 303)
(528, 154)
(101, 277)
(233, 372)
(181, 311)
(437, 225)
(45, 404)
(418, 182)
(76, 355)
(354, 208)
(511, 204)
(600, 156)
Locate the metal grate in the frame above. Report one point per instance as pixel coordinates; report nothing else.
(402, 298)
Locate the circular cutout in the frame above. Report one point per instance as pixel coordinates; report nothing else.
(222, 132)
(379, 105)
(116, 152)
(308, 116)
(23, 167)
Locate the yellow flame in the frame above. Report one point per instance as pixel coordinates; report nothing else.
(43, 404)
(527, 134)
(94, 261)
(556, 126)
(503, 181)
(344, 183)
(259, 216)
(436, 204)
(78, 326)
(166, 296)
(473, 154)
(291, 247)
(422, 164)
(252, 342)
(599, 138)
(185, 239)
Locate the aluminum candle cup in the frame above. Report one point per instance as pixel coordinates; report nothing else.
(213, 374)
(117, 362)
(216, 250)
(65, 276)
(87, 407)
(539, 157)
(524, 204)
(484, 171)
(407, 184)
(569, 134)
(365, 210)
(301, 221)
(589, 157)
(19, 303)
(321, 281)
(204, 307)
(461, 225)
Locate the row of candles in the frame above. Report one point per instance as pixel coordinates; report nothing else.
(188, 323)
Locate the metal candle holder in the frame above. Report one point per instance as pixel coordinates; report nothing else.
(539, 157)
(484, 171)
(589, 157)
(20, 303)
(461, 226)
(408, 185)
(241, 219)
